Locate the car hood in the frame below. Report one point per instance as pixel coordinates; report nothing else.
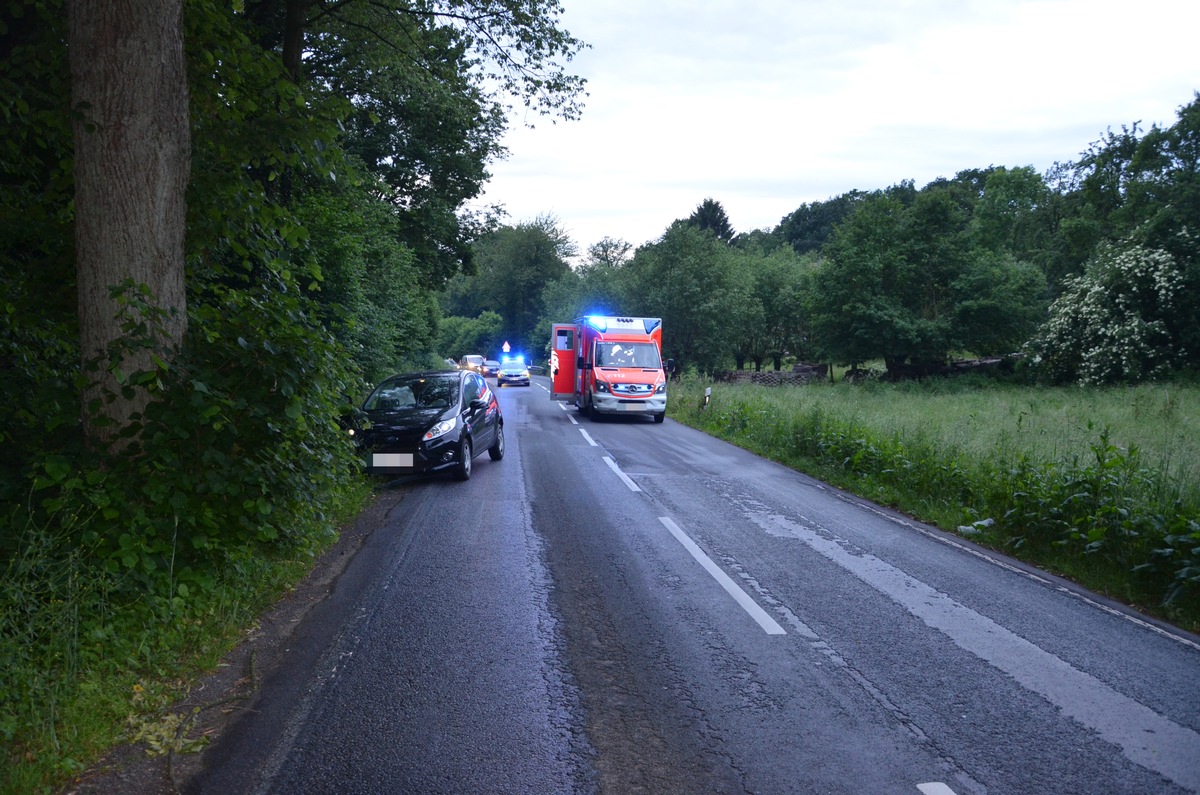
(407, 419)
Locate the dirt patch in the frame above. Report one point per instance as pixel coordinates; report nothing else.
(216, 699)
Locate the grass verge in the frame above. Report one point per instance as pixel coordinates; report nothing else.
(1097, 485)
(82, 672)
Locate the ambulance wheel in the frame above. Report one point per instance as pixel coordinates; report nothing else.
(660, 417)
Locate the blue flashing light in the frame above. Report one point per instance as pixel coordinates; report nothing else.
(598, 323)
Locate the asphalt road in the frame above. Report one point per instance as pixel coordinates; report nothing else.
(623, 607)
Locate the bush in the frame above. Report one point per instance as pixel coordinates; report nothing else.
(124, 563)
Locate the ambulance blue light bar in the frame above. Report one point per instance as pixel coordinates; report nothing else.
(601, 323)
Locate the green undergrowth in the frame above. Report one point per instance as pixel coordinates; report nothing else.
(84, 667)
(1099, 485)
(128, 566)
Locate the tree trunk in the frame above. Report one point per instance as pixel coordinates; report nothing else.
(293, 37)
(132, 164)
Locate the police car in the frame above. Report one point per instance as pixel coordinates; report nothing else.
(513, 370)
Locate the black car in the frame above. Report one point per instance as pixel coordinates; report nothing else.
(434, 421)
(491, 368)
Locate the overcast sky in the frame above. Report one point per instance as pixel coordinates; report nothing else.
(765, 105)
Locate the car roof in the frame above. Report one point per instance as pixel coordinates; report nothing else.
(426, 374)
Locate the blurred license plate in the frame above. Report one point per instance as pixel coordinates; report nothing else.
(391, 459)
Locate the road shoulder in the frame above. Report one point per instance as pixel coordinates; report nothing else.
(216, 700)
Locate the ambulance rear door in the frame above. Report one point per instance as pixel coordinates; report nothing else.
(562, 361)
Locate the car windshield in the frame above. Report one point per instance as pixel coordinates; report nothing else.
(398, 394)
(627, 354)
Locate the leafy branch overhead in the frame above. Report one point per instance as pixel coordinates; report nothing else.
(517, 46)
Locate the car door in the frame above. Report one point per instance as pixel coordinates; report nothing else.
(491, 417)
(477, 419)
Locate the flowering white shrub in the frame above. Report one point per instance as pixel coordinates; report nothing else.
(1112, 325)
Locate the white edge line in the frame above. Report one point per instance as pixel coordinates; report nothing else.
(935, 788)
(950, 541)
(590, 440)
(613, 466)
(769, 625)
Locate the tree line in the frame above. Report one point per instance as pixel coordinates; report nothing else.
(1089, 272)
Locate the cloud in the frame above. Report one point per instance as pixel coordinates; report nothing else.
(764, 105)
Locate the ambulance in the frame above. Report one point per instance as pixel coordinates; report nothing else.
(610, 365)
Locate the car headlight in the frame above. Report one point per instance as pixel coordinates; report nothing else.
(441, 429)
(661, 388)
(602, 386)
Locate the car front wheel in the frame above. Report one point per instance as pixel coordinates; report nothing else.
(463, 470)
(496, 451)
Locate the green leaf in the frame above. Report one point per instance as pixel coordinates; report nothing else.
(57, 469)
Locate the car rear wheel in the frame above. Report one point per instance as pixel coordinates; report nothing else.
(496, 451)
(463, 470)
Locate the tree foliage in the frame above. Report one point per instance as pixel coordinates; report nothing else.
(809, 227)
(460, 336)
(689, 278)
(1133, 312)
(710, 216)
(514, 264)
(906, 285)
(1117, 323)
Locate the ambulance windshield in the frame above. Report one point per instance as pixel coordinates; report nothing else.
(627, 354)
